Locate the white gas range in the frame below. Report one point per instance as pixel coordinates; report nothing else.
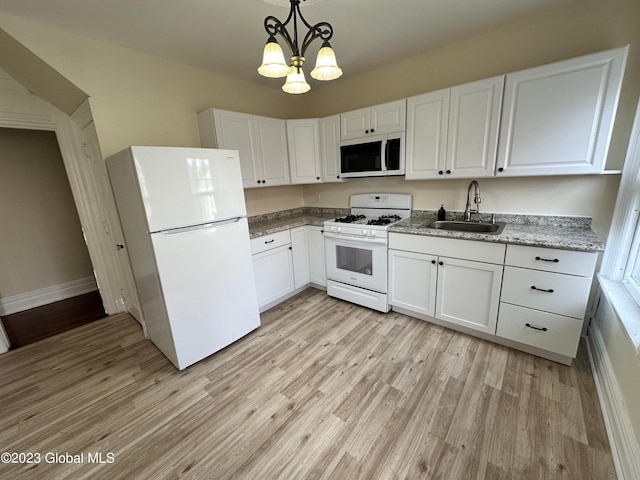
(356, 248)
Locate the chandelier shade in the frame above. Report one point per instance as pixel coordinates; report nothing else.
(296, 83)
(274, 64)
(326, 65)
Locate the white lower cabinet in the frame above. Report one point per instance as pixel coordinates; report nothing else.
(468, 293)
(544, 298)
(300, 253)
(317, 265)
(456, 281)
(412, 281)
(286, 263)
(273, 268)
(530, 298)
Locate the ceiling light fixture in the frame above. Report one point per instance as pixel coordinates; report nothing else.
(274, 64)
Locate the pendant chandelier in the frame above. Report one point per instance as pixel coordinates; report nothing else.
(273, 61)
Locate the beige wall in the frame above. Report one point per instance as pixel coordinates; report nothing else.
(138, 98)
(624, 359)
(592, 195)
(42, 242)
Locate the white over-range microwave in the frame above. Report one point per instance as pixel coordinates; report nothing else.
(377, 155)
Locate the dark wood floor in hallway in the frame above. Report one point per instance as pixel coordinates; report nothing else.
(324, 389)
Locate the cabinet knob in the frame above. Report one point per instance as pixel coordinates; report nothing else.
(119, 246)
(317, 178)
(440, 263)
(501, 169)
(448, 172)
(366, 131)
(433, 261)
(337, 176)
(440, 172)
(373, 130)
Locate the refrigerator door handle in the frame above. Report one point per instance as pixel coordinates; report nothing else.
(203, 226)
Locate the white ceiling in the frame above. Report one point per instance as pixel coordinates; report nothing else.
(227, 36)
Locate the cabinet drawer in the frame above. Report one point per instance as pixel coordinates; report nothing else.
(528, 326)
(267, 242)
(552, 260)
(449, 247)
(568, 297)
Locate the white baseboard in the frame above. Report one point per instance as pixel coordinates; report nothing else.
(44, 296)
(624, 446)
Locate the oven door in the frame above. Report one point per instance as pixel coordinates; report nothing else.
(361, 262)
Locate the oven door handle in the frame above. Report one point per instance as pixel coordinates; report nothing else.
(379, 241)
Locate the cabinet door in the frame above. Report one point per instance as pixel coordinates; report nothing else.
(300, 253)
(472, 137)
(234, 131)
(317, 265)
(303, 138)
(271, 146)
(355, 124)
(388, 117)
(330, 148)
(412, 281)
(468, 293)
(273, 271)
(558, 118)
(427, 120)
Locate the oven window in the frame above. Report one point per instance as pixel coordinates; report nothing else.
(359, 260)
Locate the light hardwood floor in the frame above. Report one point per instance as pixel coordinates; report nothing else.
(324, 389)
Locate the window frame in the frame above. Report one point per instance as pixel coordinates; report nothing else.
(622, 251)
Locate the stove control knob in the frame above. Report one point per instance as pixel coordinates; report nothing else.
(373, 233)
(339, 229)
(364, 231)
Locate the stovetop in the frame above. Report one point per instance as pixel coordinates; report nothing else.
(371, 215)
(381, 221)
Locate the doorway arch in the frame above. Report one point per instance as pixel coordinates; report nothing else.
(90, 188)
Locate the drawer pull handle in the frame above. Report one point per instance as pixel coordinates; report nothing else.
(533, 287)
(554, 260)
(543, 329)
(270, 241)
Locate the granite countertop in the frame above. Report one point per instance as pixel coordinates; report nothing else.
(568, 233)
(271, 223)
(564, 232)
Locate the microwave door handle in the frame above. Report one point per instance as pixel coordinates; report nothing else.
(385, 152)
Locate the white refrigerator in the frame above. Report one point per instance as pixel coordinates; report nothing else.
(184, 219)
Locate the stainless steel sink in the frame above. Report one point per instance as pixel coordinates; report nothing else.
(456, 226)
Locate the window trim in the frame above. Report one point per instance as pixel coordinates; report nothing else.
(623, 243)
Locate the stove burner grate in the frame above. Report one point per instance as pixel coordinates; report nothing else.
(384, 220)
(349, 219)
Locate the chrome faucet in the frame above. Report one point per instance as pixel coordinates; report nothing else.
(476, 200)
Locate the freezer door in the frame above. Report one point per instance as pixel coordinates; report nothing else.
(207, 282)
(188, 186)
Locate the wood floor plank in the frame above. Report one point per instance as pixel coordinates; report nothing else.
(324, 389)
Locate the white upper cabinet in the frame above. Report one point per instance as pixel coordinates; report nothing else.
(260, 141)
(453, 133)
(303, 137)
(557, 119)
(427, 124)
(474, 120)
(380, 119)
(330, 148)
